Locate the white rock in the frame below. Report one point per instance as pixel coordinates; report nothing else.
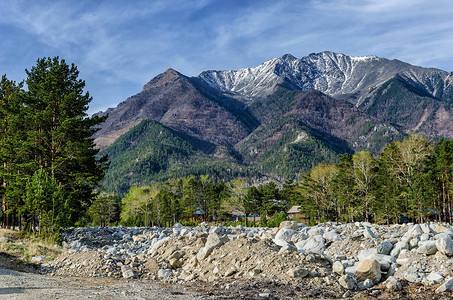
(331, 236)
(445, 245)
(163, 274)
(427, 248)
(338, 268)
(38, 259)
(435, 277)
(363, 285)
(314, 244)
(368, 233)
(412, 277)
(285, 234)
(366, 254)
(315, 231)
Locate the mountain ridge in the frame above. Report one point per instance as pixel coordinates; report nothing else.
(279, 118)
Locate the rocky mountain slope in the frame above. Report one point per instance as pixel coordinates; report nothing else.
(280, 117)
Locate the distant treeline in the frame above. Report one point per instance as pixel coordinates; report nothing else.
(411, 180)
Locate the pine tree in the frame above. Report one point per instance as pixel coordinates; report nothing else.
(60, 132)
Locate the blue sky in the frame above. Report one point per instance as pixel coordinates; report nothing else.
(120, 45)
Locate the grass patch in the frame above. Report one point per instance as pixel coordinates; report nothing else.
(21, 248)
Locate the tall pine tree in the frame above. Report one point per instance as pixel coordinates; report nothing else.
(60, 132)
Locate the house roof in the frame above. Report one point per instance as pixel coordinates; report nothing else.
(238, 213)
(199, 211)
(294, 210)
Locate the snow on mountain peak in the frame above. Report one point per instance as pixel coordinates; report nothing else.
(337, 75)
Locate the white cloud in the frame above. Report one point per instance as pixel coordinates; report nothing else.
(116, 42)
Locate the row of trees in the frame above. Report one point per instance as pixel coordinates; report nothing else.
(48, 164)
(410, 180)
(193, 199)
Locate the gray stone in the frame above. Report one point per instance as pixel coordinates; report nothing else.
(368, 233)
(398, 247)
(393, 284)
(287, 248)
(446, 286)
(338, 268)
(298, 272)
(164, 274)
(348, 282)
(127, 272)
(363, 285)
(384, 248)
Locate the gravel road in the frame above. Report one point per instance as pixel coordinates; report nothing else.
(20, 285)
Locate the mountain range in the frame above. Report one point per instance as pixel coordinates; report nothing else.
(275, 120)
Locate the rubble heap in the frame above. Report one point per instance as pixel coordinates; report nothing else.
(350, 257)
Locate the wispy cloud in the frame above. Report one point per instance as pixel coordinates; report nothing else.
(120, 45)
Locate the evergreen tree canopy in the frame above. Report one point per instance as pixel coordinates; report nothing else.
(46, 136)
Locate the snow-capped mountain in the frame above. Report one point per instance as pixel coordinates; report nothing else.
(338, 75)
(277, 119)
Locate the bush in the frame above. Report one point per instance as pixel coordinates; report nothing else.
(273, 221)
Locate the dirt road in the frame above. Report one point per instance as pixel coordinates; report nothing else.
(20, 285)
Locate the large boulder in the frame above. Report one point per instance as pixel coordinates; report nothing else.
(288, 224)
(444, 244)
(285, 234)
(331, 236)
(213, 241)
(384, 248)
(314, 244)
(427, 248)
(368, 269)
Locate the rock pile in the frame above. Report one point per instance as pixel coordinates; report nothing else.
(345, 256)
